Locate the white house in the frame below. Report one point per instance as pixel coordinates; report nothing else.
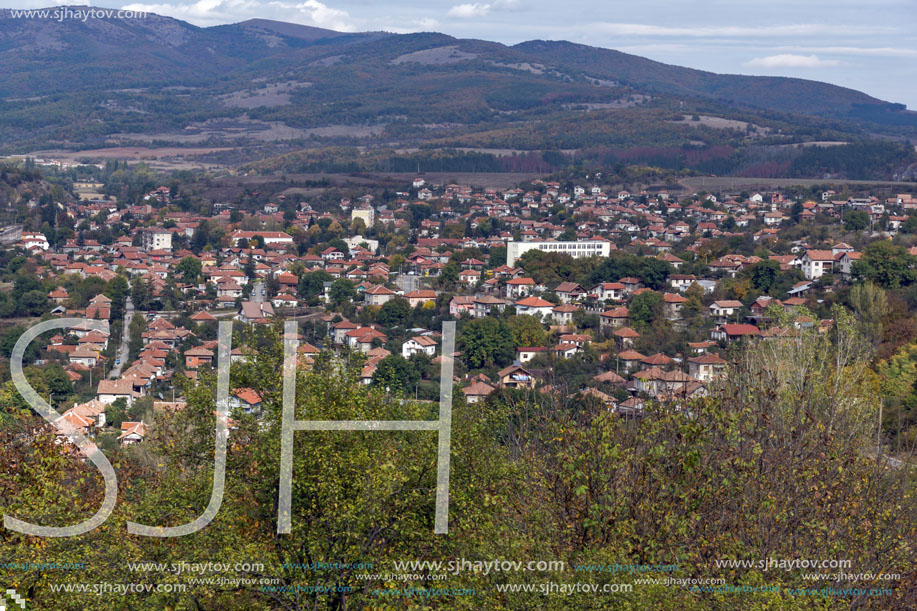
(680, 282)
(535, 306)
(527, 353)
(31, 241)
(245, 399)
(519, 287)
(609, 290)
(84, 355)
(725, 308)
(132, 433)
(485, 305)
(706, 367)
(563, 314)
(845, 261)
(110, 391)
(419, 343)
(816, 263)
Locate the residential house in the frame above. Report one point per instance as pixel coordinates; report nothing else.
(629, 359)
(420, 296)
(816, 263)
(362, 338)
(485, 305)
(845, 262)
(733, 332)
(655, 381)
(605, 291)
(461, 304)
(253, 311)
(515, 376)
(85, 355)
(613, 318)
(109, 391)
(706, 367)
(477, 392)
(469, 277)
(527, 353)
(564, 351)
(535, 306)
(418, 344)
(672, 304)
(517, 288)
(197, 357)
(569, 291)
(378, 295)
(725, 309)
(625, 336)
(563, 314)
(681, 282)
(245, 399)
(132, 433)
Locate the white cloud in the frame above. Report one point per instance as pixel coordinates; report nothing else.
(202, 12)
(324, 16)
(423, 24)
(213, 12)
(788, 60)
(641, 29)
(656, 48)
(426, 22)
(866, 51)
(467, 11)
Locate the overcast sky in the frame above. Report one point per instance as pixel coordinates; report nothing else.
(869, 45)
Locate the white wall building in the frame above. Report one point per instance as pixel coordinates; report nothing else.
(585, 248)
(269, 237)
(367, 213)
(816, 263)
(34, 240)
(420, 343)
(156, 238)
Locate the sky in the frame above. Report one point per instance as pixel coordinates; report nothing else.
(868, 45)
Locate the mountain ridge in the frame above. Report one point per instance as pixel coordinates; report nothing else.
(80, 84)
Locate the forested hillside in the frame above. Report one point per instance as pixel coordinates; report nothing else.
(775, 463)
(262, 87)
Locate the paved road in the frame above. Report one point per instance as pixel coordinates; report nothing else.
(123, 351)
(258, 292)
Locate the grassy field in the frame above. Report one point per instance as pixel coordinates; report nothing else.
(718, 183)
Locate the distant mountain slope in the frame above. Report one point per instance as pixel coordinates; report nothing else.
(42, 56)
(288, 30)
(775, 93)
(102, 82)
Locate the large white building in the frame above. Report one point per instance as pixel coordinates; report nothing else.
(367, 213)
(35, 240)
(270, 237)
(156, 238)
(585, 248)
